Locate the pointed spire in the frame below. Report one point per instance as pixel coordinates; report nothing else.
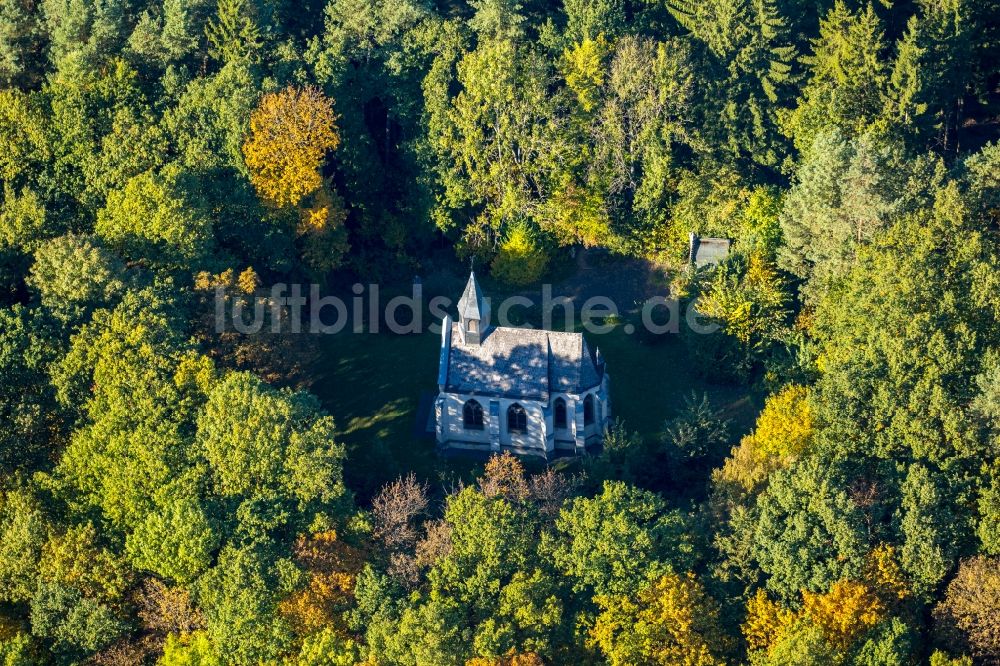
(473, 305)
(473, 313)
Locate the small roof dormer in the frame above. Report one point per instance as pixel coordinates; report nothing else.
(473, 312)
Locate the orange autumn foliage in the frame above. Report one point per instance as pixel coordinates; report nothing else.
(332, 566)
(529, 659)
(320, 604)
(290, 134)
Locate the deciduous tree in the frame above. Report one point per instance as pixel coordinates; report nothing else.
(671, 621)
(291, 132)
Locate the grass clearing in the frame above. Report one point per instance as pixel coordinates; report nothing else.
(650, 382)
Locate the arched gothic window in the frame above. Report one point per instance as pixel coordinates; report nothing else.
(560, 413)
(588, 410)
(472, 415)
(517, 419)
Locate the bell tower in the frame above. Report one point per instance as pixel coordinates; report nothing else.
(473, 313)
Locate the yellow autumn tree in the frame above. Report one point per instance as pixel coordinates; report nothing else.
(784, 432)
(248, 281)
(522, 258)
(291, 132)
(885, 575)
(766, 621)
(673, 621)
(846, 611)
(584, 67)
(786, 424)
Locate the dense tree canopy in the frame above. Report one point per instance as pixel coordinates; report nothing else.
(173, 493)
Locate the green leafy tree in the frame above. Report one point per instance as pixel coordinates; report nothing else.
(989, 511)
(19, 649)
(21, 39)
(32, 421)
(375, 58)
(489, 585)
(24, 138)
(932, 72)
(807, 532)
(269, 445)
(623, 457)
(649, 113)
(83, 33)
(619, 540)
(906, 364)
(76, 605)
(748, 298)
(134, 144)
(801, 645)
(85, 109)
(587, 20)
(753, 64)
(497, 19)
(73, 276)
(760, 228)
(207, 125)
(77, 626)
(154, 218)
(845, 192)
(495, 143)
(892, 642)
(238, 598)
(130, 445)
(696, 431)
(940, 658)
(23, 527)
(23, 223)
(176, 542)
(173, 32)
(931, 541)
(326, 648)
(193, 649)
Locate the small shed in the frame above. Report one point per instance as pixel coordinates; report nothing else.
(706, 251)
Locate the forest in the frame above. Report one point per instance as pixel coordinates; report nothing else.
(171, 495)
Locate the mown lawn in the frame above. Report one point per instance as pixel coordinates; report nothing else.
(650, 383)
(372, 384)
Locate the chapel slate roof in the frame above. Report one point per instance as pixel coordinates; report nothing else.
(519, 362)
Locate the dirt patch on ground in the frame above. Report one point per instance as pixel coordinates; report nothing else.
(628, 282)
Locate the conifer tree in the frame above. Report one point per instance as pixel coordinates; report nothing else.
(931, 73)
(848, 77)
(233, 34)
